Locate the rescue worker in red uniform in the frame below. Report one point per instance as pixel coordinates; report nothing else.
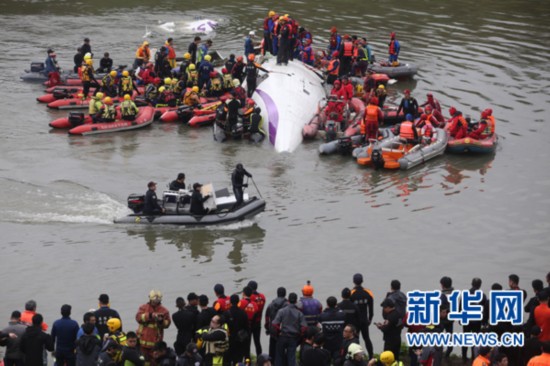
(458, 126)
(347, 89)
(373, 117)
(426, 129)
(251, 309)
(335, 106)
(334, 41)
(431, 117)
(485, 127)
(347, 50)
(222, 303)
(152, 318)
(259, 299)
(393, 50)
(434, 103)
(333, 68)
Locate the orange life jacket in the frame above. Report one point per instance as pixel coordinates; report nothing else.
(392, 47)
(171, 51)
(143, 53)
(406, 130)
(331, 66)
(371, 116)
(348, 49)
(490, 130)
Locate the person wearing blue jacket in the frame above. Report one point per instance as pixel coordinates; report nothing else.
(249, 44)
(64, 333)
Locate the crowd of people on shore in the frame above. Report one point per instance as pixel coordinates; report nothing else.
(222, 332)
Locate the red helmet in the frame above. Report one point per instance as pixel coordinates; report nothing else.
(429, 108)
(337, 82)
(250, 102)
(423, 116)
(452, 111)
(224, 71)
(239, 59)
(407, 91)
(335, 54)
(392, 35)
(333, 30)
(157, 80)
(430, 96)
(485, 114)
(490, 111)
(373, 100)
(213, 74)
(251, 57)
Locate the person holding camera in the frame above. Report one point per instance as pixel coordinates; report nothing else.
(152, 318)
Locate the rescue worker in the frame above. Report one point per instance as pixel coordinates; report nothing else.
(334, 41)
(95, 106)
(333, 68)
(346, 50)
(407, 130)
(347, 88)
(162, 65)
(109, 84)
(285, 37)
(332, 322)
(256, 125)
(259, 299)
(169, 44)
(239, 92)
(191, 96)
(457, 125)
(131, 354)
(215, 342)
(430, 116)
(249, 44)
(310, 306)
(222, 303)
(77, 59)
(308, 55)
(205, 68)
(251, 70)
(88, 78)
(192, 49)
(387, 358)
(372, 120)
(275, 34)
(197, 201)
(227, 80)
(355, 356)
(484, 128)
(239, 332)
(215, 87)
(151, 205)
(178, 86)
(251, 310)
(335, 105)
(151, 91)
(237, 181)
(237, 71)
(115, 333)
(381, 94)
(393, 50)
(268, 29)
(143, 55)
(146, 75)
(364, 299)
(202, 51)
(107, 113)
(361, 59)
(128, 109)
(106, 63)
(426, 129)
(166, 97)
(51, 65)
(152, 318)
(192, 76)
(434, 103)
(126, 85)
(178, 183)
(408, 105)
(184, 65)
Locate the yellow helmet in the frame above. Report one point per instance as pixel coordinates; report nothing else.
(125, 73)
(236, 82)
(99, 95)
(174, 81)
(195, 89)
(89, 62)
(127, 97)
(167, 80)
(155, 295)
(187, 56)
(271, 13)
(381, 86)
(192, 67)
(87, 56)
(208, 58)
(113, 324)
(281, 17)
(161, 89)
(108, 101)
(387, 357)
(145, 43)
(80, 95)
(113, 73)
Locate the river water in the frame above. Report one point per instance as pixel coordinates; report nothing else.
(326, 218)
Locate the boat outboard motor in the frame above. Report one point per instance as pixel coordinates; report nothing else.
(184, 112)
(136, 202)
(377, 158)
(61, 93)
(76, 118)
(345, 146)
(331, 131)
(220, 114)
(237, 132)
(37, 66)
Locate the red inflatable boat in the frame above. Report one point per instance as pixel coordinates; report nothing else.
(143, 119)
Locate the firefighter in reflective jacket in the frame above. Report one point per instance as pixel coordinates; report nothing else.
(126, 84)
(109, 84)
(115, 332)
(214, 342)
(191, 96)
(192, 76)
(373, 117)
(128, 109)
(95, 105)
(152, 318)
(107, 113)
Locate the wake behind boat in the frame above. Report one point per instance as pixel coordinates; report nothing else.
(176, 205)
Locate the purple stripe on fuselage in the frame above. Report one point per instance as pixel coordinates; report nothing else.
(272, 115)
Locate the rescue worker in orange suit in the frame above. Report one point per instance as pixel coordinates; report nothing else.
(221, 304)
(408, 105)
(430, 116)
(485, 128)
(457, 125)
(346, 53)
(436, 107)
(333, 68)
(251, 70)
(347, 89)
(251, 309)
(152, 318)
(407, 130)
(285, 38)
(426, 129)
(169, 44)
(373, 117)
(259, 299)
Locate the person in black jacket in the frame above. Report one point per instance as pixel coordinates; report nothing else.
(86, 47)
(151, 205)
(88, 347)
(197, 201)
(179, 183)
(185, 321)
(78, 58)
(191, 357)
(239, 331)
(237, 181)
(34, 341)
